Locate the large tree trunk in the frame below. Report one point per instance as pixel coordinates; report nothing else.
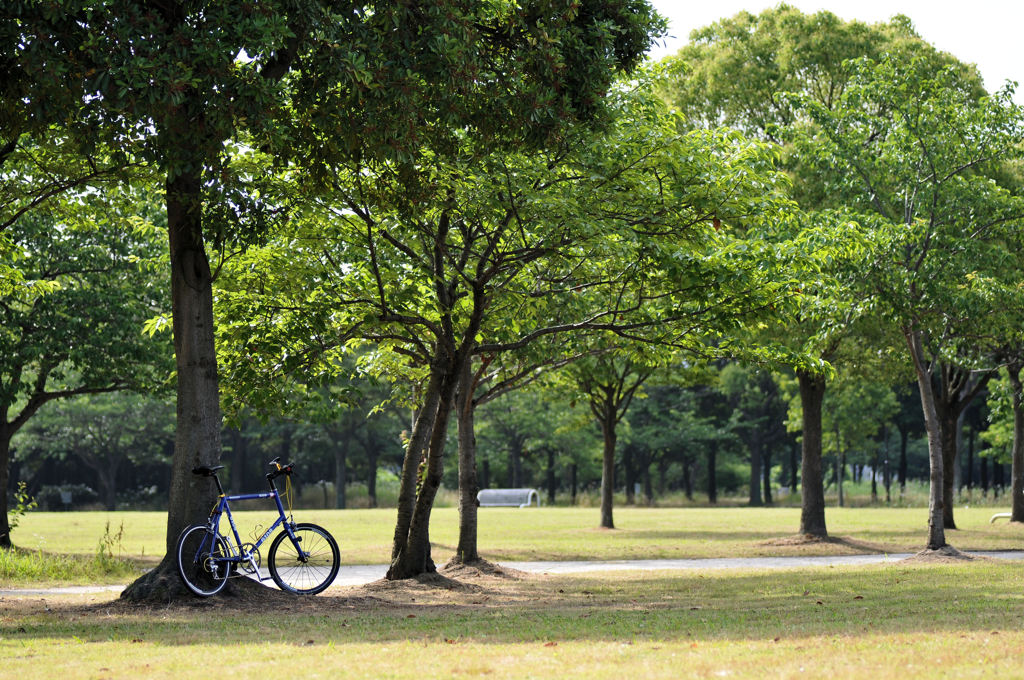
(1017, 453)
(812, 513)
(947, 433)
(466, 551)
(608, 470)
(936, 526)
(5, 462)
(197, 439)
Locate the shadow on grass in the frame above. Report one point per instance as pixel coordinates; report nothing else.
(881, 600)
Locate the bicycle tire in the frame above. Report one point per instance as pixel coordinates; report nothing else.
(307, 577)
(196, 545)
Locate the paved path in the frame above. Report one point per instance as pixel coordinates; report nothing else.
(360, 574)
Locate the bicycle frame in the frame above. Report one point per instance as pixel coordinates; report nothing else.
(223, 507)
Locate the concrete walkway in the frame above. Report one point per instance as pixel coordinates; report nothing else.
(357, 575)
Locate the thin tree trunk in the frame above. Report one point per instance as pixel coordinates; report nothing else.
(874, 479)
(840, 465)
(341, 445)
(794, 463)
(755, 471)
(608, 470)
(552, 479)
(573, 469)
(466, 551)
(107, 477)
(936, 525)
(902, 470)
(414, 456)
(712, 457)
(983, 465)
(812, 502)
(412, 551)
(947, 434)
(371, 474)
(648, 485)
(766, 464)
(628, 473)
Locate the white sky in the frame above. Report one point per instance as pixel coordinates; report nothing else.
(988, 33)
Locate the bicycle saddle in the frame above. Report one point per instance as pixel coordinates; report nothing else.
(206, 471)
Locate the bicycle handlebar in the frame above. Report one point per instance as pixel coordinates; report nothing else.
(279, 469)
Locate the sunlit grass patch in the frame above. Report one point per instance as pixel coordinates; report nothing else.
(107, 564)
(881, 621)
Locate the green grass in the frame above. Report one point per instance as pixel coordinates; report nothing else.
(884, 621)
(558, 533)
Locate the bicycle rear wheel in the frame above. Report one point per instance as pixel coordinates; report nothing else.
(197, 552)
(309, 575)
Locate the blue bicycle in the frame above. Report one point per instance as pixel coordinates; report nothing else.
(303, 558)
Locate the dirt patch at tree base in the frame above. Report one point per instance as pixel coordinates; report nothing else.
(481, 569)
(946, 554)
(833, 545)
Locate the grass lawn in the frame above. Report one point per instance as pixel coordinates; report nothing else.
(552, 533)
(885, 621)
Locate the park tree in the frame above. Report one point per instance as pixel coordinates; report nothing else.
(741, 71)
(759, 414)
(475, 256)
(179, 86)
(912, 149)
(93, 431)
(73, 325)
(609, 383)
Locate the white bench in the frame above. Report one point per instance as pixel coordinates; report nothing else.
(510, 498)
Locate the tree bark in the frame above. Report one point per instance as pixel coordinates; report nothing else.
(608, 470)
(466, 551)
(1017, 451)
(5, 461)
(412, 549)
(794, 463)
(552, 479)
(341, 445)
(712, 461)
(371, 475)
(947, 434)
(766, 468)
(812, 502)
(755, 471)
(414, 456)
(107, 478)
(198, 433)
(936, 525)
(628, 473)
(515, 467)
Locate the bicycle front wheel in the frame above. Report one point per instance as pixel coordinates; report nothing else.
(313, 570)
(198, 553)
